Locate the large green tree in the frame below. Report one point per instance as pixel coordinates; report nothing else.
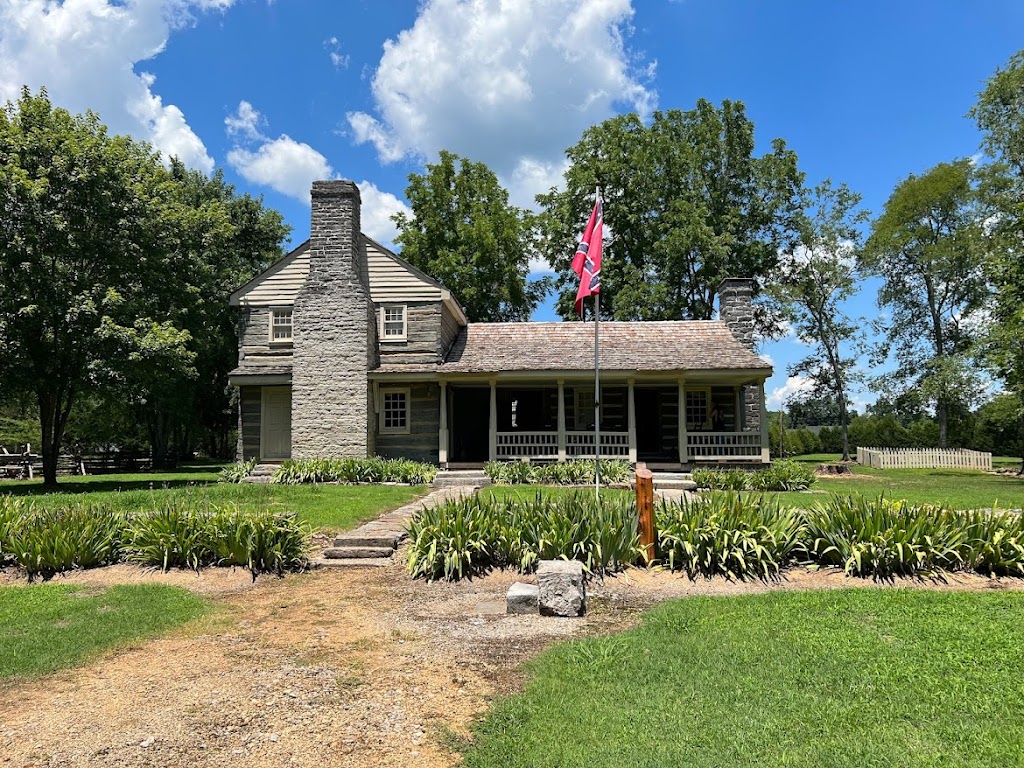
(926, 246)
(814, 281)
(114, 271)
(464, 232)
(1000, 116)
(687, 203)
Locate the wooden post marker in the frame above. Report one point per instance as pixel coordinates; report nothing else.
(645, 511)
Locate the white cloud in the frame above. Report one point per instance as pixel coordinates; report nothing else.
(85, 53)
(290, 167)
(794, 385)
(377, 209)
(767, 358)
(511, 84)
(338, 59)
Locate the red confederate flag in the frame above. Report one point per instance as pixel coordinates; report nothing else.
(587, 261)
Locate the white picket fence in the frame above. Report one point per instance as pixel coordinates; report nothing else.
(923, 458)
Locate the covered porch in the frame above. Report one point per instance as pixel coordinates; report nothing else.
(665, 422)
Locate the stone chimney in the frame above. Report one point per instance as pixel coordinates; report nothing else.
(736, 310)
(333, 337)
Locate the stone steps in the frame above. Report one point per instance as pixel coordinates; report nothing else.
(450, 478)
(260, 474)
(674, 481)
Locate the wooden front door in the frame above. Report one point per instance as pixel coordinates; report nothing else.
(276, 433)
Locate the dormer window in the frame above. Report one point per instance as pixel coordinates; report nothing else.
(280, 325)
(392, 323)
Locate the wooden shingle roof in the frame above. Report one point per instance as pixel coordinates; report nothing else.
(692, 345)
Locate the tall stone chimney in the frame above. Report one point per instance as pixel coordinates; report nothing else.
(736, 310)
(333, 336)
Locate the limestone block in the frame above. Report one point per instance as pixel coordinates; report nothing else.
(522, 598)
(560, 584)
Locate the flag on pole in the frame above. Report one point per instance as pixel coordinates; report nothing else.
(587, 261)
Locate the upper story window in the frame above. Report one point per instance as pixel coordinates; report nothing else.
(393, 323)
(280, 325)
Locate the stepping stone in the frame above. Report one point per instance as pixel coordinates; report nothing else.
(522, 599)
(369, 539)
(360, 562)
(561, 589)
(340, 553)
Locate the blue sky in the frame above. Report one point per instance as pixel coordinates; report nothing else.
(281, 92)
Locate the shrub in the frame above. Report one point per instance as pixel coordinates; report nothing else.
(575, 472)
(997, 542)
(233, 473)
(45, 542)
(728, 534)
(467, 536)
(782, 475)
(49, 541)
(373, 469)
(882, 538)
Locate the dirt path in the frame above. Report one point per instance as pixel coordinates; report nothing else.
(358, 667)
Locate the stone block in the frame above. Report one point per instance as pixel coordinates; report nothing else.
(561, 589)
(522, 598)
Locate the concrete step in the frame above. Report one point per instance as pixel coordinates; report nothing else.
(449, 478)
(359, 562)
(341, 553)
(674, 485)
(256, 479)
(382, 539)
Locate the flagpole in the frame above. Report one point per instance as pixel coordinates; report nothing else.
(597, 386)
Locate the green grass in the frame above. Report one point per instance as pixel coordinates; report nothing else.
(50, 627)
(957, 488)
(330, 507)
(527, 492)
(896, 678)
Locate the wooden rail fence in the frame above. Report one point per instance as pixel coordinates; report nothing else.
(923, 458)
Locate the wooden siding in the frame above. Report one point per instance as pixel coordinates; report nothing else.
(449, 332)
(254, 347)
(423, 335)
(391, 281)
(250, 404)
(280, 284)
(424, 423)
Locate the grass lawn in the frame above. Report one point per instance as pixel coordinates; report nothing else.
(958, 488)
(51, 626)
(330, 507)
(854, 677)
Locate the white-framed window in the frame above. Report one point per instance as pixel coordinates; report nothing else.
(280, 325)
(697, 403)
(394, 411)
(393, 323)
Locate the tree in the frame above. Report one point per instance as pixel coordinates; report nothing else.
(77, 229)
(807, 410)
(114, 272)
(1000, 116)
(464, 232)
(926, 247)
(687, 203)
(814, 281)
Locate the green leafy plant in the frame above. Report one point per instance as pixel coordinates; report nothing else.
(882, 538)
(575, 472)
(781, 475)
(464, 537)
(722, 479)
(373, 469)
(234, 473)
(727, 534)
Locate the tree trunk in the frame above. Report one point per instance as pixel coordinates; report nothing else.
(158, 440)
(942, 413)
(53, 418)
(844, 426)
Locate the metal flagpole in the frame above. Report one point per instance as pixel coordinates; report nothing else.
(597, 400)
(597, 385)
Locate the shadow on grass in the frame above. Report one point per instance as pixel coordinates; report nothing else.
(190, 475)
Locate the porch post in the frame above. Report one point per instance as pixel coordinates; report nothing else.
(631, 414)
(492, 431)
(442, 433)
(684, 455)
(561, 419)
(765, 451)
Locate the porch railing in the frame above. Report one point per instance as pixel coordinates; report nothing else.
(580, 445)
(527, 445)
(710, 446)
